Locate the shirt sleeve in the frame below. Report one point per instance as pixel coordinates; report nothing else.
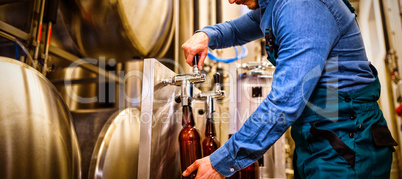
(305, 31)
(236, 32)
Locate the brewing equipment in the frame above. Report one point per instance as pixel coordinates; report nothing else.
(189, 136)
(159, 151)
(82, 89)
(253, 83)
(211, 142)
(38, 139)
(116, 150)
(120, 29)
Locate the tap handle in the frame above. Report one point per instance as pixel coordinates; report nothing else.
(195, 62)
(217, 77)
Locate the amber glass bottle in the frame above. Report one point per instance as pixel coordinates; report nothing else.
(250, 172)
(211, 142)
(189, 141)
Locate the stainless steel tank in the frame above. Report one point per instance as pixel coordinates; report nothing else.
(88, 125)
(82, 89)
(120, 29)
(17, 13)
(37, 137)
(116, 150)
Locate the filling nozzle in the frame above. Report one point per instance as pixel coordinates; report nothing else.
(211, 95)
(210, 107)
(217, 93)
(186, 92)
(196, 77)
(186, 82)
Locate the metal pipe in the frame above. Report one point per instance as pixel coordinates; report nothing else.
(39, 31)
(186, 31)
(186, 92)
(12, 38)
(177, 31)
(196, 6)
(71, 58)
(13, 31)
(47, 44)
(218, 6)
(210, 105)
(50, 17)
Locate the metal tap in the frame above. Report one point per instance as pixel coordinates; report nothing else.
(209, 96)
(186, 82)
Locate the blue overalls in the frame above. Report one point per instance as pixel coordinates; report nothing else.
(340, 134)
(343, 135)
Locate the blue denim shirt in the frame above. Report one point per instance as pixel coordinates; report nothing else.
(319, 44)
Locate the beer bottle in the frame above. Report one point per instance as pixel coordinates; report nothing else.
(189, 141)
(210, 143)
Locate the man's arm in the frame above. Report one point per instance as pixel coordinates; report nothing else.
(306, 32)
(236, 32)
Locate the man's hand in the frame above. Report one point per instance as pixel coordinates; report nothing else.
(205, 169)
(197, 44)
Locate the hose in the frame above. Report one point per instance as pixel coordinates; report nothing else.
(243, 54)
(9, 37)
(17, 52)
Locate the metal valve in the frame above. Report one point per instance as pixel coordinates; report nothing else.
(186, 82)
(211, 95)
(196, 77)
(217, 93)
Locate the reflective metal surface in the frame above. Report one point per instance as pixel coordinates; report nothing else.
(159, 151)
(88, 125)
(15, 19)
(37, 137)
(17, 13)
(250, 78)
(185, 30)
(133, 82)
(160, 124)
(120, 29)
(116, 151)
(82, 89)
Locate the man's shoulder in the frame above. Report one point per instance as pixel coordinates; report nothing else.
(298, 6)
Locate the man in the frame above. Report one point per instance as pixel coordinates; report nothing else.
(323, 86)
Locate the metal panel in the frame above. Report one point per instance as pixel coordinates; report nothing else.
(37, 137)
(249, 78)
(88, 125)
(160, 124)
(232, 97)
(155, 97)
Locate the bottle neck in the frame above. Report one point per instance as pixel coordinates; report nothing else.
(188, 118)
(210, 128)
